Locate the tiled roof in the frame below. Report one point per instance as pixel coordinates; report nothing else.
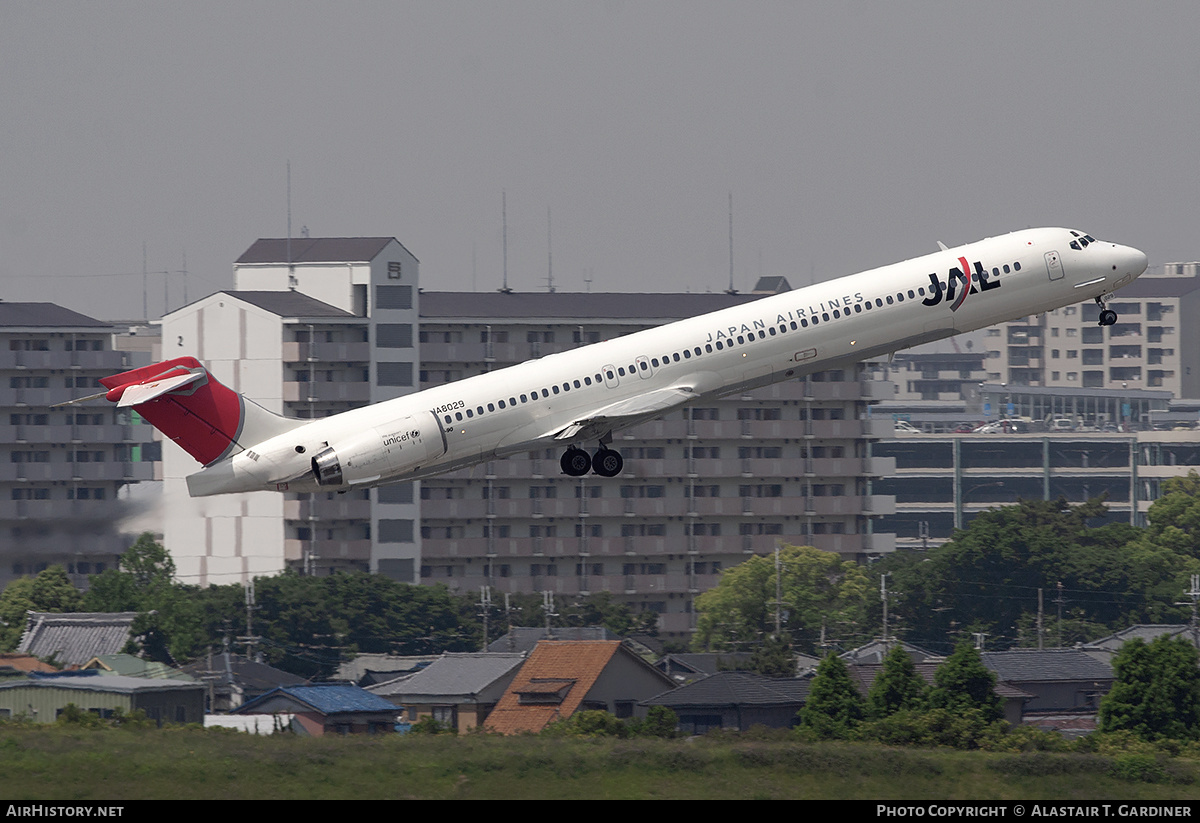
(701, 662)
(93, 681)
(314, 250)
(462, 676)
(728, 689)
(570, 667)
(23, 663)
(127, 664)
(876, 650)
(1145, 631)
(44, 314)
(75, 638)
(252, 676)
(289, 303)
(325, 698)
(864, 674)
(1048, 665)
(524, 638)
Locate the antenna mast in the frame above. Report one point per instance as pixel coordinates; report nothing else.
(549, 256)
(731, 289)
(504, 231)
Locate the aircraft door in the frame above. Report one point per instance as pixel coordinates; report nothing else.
(644, 369)
(610, 376)
(1054, 265)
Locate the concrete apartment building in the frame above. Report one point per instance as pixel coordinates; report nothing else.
(65, 471)
(943, 480)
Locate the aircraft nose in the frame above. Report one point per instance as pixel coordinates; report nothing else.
(1128, 263)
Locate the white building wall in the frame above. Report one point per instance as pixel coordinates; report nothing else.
(228, 538)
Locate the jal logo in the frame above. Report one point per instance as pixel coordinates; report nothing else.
(960, 281)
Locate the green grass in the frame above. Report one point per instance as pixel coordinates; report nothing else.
(74, 764)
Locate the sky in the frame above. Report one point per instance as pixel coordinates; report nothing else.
(158, 135)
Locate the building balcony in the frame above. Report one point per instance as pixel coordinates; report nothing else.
(323, 508)
(57, 510)
(325, 550)
(313, 392)
(327, 352)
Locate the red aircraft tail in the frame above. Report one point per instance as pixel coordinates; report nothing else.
(185, 402)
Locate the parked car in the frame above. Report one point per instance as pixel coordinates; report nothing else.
(904, 427)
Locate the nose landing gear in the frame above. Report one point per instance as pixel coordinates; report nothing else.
(1107, 316)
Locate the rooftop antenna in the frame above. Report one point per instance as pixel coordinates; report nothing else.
(184, 273)
(549, 256)
(145, 287)
(504, 233)
(289, 216)
(731, 289)
(587, 280)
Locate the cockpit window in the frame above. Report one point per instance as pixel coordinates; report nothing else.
(1081, 241)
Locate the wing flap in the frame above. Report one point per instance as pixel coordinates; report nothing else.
(625, 413)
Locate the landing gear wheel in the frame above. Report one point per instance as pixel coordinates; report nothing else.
(607, 463)
(1108, 317)
(575, 462)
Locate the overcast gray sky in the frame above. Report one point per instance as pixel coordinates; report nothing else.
(849, 134)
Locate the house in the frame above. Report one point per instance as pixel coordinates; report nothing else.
(1057, 679)
(524, 638)
(561, 677)
(327, 708)
(1014, 699)
(735, 700)
(692, 666)
(43, 697)
(371, 669)
(74, 638)
(233, 679)
(130, 666)
(1106, 648)
(456, 689)
(876, 650)
(18, 665)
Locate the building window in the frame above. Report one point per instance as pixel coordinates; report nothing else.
(395, 374)
(394, 335)
(393, 297)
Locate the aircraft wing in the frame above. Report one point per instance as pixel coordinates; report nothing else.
(625, 413)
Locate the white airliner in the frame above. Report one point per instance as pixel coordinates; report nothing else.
(583, 396)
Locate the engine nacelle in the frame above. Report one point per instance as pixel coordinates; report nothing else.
(396, 448)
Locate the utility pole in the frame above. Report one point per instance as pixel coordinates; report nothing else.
(549, 612)
(485, 609)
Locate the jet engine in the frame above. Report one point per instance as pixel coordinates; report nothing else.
(396, 448)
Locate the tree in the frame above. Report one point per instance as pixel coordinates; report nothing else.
(1156, 694)
(817, 589)
(897, 687)
(834, 706)
(167, 625)
(987, 576)
(963, 683)
(773, 658)
(50, 591)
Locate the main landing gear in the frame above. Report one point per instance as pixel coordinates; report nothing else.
(606, 462)
(1107, 316)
